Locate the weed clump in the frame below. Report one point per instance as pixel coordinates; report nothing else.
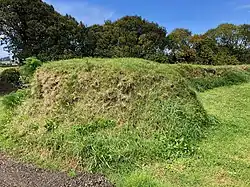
(12, 100)
(28, 69)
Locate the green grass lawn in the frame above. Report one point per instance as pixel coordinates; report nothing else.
(226, 151)
(224, 156)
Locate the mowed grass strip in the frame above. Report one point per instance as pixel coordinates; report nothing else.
(224, 156)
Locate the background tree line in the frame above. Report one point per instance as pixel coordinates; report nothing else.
(34, 28)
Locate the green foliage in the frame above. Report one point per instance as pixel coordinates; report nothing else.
(11, 101)
(72, 173)
(130, 36)
(10, 76)
(178, 43)
(29, 67)
(225, 59)
(9, 80)
(84, 130)
(233, 41)
(157, 57)
(227, 78)
(34, 28)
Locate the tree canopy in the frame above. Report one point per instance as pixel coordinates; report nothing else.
(34, 28)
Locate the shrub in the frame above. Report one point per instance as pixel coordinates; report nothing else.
(225, 59)
(157, 57)
(29, 67)
(10, 76)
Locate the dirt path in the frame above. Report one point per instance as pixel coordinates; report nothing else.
(14, 174)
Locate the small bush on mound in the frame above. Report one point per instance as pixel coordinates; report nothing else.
(29, 67)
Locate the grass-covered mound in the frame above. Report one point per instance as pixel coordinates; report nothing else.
(109, 115)
(203, 78)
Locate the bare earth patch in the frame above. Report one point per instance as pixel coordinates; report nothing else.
(14, 174)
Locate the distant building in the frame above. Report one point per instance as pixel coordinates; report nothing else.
(7, 61)
(4, 59)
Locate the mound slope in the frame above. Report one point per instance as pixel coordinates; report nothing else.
(108, 114)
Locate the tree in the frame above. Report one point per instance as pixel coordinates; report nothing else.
(64, 39)
(139, 37)
(232, 40)
(20, 24)
(243, 52)
(130, 36)
(205, 49)
(34, 28)
(179, 46)
(226, 35)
